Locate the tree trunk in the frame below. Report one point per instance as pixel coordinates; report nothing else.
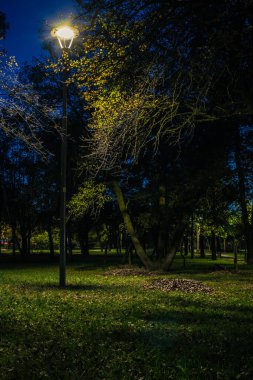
(218, 245)
(174, 247)
(161, 243)
(192, 238)
(101, 243)
(225, 246)
(29, 242)
(50, 239)
(235, 255)
(69, 243)
(83, 241)
(248, 226)
(197, 238)
(250, 239)
(186, 245)
(129, 226)
(24, 246)
(13, 238)
(202, 246)
(162, 232)
(213, 246)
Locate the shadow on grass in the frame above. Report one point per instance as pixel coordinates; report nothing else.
(74, 287)
(199, 336)
(199, 314)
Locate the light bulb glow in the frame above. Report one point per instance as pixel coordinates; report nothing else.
(65, 32)
(65, 35)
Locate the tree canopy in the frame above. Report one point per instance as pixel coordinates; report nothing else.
(160, 122)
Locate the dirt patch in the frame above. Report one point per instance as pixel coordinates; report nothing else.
(130, 271)
(176, 284)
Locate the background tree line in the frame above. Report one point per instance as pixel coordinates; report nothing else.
(160, 130)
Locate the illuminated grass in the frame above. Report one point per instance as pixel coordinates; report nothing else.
(111, 327)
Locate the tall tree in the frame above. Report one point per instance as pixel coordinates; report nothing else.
(152, 72)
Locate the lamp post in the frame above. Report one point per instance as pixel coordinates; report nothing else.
(65, 36)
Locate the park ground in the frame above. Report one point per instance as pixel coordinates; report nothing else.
(115, 322)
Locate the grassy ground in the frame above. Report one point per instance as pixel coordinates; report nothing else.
(111, 327)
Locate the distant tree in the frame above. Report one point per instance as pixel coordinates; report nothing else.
(3, 25)
(23, 113)
(27, 121)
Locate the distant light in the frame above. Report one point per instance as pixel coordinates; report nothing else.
(65, 35)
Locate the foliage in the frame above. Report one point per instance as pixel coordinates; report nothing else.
(23, 113)
(39, 239)
(186, 64)
(90, 197)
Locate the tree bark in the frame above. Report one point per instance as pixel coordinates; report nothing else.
(235, 255)
(174, 247)
(213, 246)
(130, 228)
(50, 239)
(162, 232)
(24, 243)
(202, 246)
(225, 245)
(248, 225)
(218, 247)
(84, 242)
(186, 245)
(197, 238)
(13, 238)
(192, 237)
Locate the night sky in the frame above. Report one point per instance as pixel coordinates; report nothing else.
(27, 19)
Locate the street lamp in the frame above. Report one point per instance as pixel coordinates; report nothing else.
(65, 36)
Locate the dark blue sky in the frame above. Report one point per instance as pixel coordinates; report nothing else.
(26, 19)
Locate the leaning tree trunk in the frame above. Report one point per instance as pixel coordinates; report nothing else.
(129, 227)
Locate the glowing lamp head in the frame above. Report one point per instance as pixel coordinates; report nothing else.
(65, 33)
(65, 36)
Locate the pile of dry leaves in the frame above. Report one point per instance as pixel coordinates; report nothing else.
(182, 285)
(165, 284)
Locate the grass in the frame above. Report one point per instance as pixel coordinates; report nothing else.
(111, 327)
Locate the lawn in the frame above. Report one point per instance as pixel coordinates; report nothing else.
(110, 326)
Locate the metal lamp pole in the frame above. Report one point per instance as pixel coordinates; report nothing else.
(63, 191)
(65, 36)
